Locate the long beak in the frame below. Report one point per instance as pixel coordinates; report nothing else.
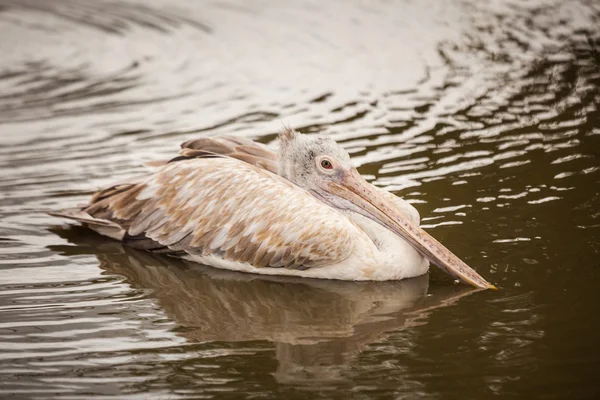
(365, 196)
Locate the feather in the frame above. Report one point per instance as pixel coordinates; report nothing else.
(102, 226)
(246, 150)
(216, 206)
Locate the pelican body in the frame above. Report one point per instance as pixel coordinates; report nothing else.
(235, 204)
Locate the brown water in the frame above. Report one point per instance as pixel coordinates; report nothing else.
(485, 116)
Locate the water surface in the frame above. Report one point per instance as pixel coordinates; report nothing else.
(484, 116)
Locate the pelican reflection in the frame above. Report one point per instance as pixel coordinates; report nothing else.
(317, 326)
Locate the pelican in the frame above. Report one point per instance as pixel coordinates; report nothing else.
(305, 211)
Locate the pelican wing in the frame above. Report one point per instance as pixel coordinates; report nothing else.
(223, 206)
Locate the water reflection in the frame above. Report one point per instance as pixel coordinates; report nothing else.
(317, 326)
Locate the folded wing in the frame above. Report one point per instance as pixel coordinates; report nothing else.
(215, 205)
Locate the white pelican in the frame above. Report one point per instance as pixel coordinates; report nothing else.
(235, 204)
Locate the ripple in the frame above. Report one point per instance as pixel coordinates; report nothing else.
(107, 16)
(544, 200)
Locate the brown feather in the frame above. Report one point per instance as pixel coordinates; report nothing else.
(242, 149)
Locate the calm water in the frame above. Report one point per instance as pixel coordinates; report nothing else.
(485, 116)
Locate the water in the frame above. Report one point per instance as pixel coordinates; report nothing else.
(484, 116)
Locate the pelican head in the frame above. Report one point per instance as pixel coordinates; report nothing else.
(323, 168)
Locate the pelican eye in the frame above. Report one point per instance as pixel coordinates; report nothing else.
(326, 164)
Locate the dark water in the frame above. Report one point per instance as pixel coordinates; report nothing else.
(485, 115)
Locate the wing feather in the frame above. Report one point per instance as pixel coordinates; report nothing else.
(243, 149)
(230, 208)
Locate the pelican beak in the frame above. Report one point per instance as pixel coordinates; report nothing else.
(373, 205)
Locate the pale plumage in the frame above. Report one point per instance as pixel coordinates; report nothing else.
(236, 204)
